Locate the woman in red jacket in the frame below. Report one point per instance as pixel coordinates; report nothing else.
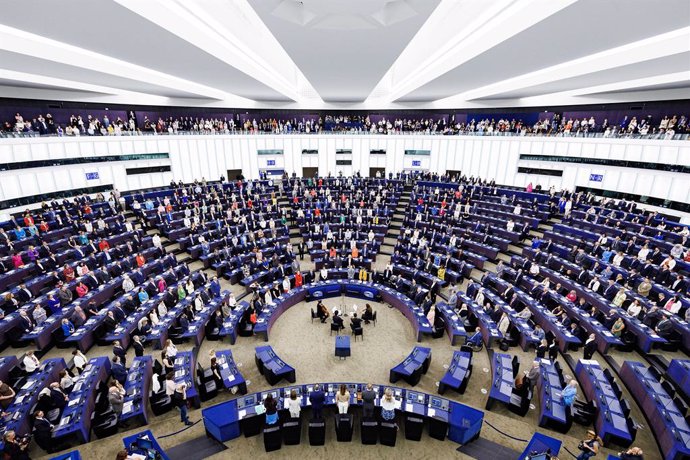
(82, 290)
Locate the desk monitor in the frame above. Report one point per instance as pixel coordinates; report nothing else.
(397, 393)
(265, 394)
(310, 388)
(144, 443)
(331, 388)
(375, 389)
(407, 361)
(352, 388)
(439, 403)
(298, 390)
(247, 401)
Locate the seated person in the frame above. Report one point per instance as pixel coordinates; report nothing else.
(368, 314)
(355, 323)
(338, 320)
(322, 311)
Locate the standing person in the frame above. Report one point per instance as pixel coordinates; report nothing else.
(342, 399)
(271, 405)
(368, 399)
(388, 405)
(6, 395)
(116, 397)
(317, 398)
(589, 446)
(569, 393)
(294, 405)
(180, 401)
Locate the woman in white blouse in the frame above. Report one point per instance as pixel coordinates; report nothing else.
(294, 404)
(170, 349)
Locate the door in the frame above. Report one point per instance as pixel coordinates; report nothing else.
(234, 174)
(381, 171)
(453, 172)
(309, 171)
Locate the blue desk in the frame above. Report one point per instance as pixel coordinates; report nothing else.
(342, 346)
(184, 369)
(487, 326)
(131, 444)
(222, 421)
(541, 443)
(458, 374)
(552, 411)
(272, 367)
(611, 423)
(75, 423)
(227, 420)
(19, 419)
(7, 363)
(665, 419)
(232, 377)
(455, 326)
(137, 388)
(334, 288)
(679, 373)
(412, 367)
(232, 321)
(501, 379)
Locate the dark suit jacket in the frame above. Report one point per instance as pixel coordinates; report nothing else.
(317, 398)
(368, 399)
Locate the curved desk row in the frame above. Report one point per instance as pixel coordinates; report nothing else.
(272, 367)
(349, 288)
(458, 374)
(412, 368)
(461, 423)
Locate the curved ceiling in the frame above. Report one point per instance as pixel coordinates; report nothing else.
(370, 54)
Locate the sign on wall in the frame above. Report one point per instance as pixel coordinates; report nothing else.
(270, 162)
(92, 176)
(596, 177)
(416, 163)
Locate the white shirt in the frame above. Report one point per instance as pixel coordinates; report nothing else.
(286, 284)
(127, 285)
(31, 363)
(294, 406)
(171, 351)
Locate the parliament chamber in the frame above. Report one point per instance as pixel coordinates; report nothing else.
(370, 229)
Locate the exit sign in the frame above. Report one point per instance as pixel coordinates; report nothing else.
(416, 163)
(596, 177)
(92, 176)
(270, 162)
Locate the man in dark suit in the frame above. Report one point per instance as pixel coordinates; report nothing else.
(57, 397)
(43, 431)
(118, 370)
(317, 398)
(120, 352)
(138, 346)
(611, 290)
(23, 294)
(368, 401)
(590, 347)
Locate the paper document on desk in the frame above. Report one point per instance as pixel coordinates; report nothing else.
(231, 377)
(127, 407)
(409, 407)
(242, 413)
(431, 412)
(73, 402)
